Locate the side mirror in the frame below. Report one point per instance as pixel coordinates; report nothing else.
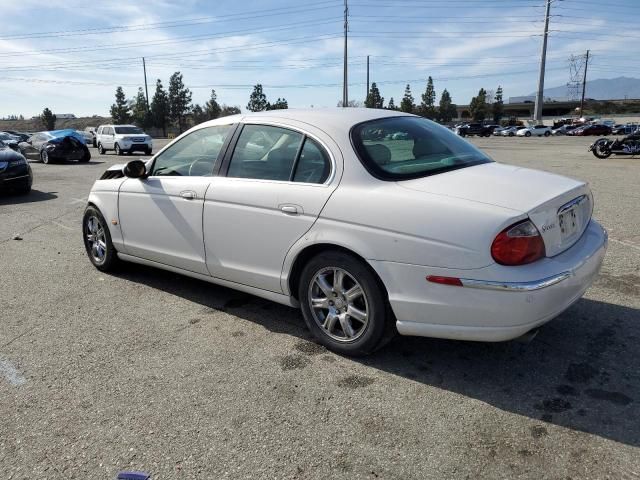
(135, 169)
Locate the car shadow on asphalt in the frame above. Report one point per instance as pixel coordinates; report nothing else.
(9, 198)
(580, 372)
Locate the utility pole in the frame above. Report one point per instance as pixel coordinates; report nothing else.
(537, 115)
(345, 92)
(367, 93)
(584, 82)
(146, 89)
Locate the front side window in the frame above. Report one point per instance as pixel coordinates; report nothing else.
(265, 152)
(193, 155)
(400, 148)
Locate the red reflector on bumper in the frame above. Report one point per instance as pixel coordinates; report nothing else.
(455, 282)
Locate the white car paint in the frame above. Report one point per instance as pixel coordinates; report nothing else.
(108, 137)
(538, 130)
(238, 233)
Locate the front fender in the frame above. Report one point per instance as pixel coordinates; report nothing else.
(104, 196)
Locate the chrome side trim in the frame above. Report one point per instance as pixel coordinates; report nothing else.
(571, 204)
(516, 286)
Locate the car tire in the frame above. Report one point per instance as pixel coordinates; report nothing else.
(547, 133)
(86, 157)
(101, 149)
(327, 279)
(527, 134)
(511, 134)
(97, 240)
(147, 151)
(118, 150)
(44, 157)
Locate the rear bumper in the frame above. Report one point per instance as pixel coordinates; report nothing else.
(492, 310)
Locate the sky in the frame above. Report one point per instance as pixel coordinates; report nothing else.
(70, 56)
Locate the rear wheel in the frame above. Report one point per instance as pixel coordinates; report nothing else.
(343, 304)
(547, 133)
(97, 240)
(86, 157)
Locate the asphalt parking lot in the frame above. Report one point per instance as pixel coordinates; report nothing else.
(148, 370)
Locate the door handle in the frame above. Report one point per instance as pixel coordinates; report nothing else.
(188, 194)
(289, 209)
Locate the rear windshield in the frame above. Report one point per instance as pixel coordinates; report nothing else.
(401, 148)
(128, 130)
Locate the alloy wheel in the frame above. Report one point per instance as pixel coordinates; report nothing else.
(96, 239)
(338, 304)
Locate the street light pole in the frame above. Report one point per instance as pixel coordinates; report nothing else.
(537, 115)
(345, 93)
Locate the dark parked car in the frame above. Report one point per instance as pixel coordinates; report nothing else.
(56, 145)
(624, 129)
(592, 130)
(471, 129)
(9, 140)
(15, 172)
(22, 137)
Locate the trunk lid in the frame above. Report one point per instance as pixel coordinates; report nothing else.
(560, 207)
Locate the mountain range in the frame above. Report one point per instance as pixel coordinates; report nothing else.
(600, 89)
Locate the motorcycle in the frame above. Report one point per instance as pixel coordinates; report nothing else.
(604, 148)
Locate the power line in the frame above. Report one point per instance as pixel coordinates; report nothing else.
(172, 23)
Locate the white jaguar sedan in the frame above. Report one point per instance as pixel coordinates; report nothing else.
(371, 221)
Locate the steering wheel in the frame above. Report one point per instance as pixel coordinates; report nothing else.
(201, 160)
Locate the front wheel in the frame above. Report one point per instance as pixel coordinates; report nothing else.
(343, 304)
(97, 240)
(44, 156)
(118, 150)
(527, 134)
(101, 149)
(547, 133)
(601, 149)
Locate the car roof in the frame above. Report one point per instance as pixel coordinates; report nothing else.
(331, 118)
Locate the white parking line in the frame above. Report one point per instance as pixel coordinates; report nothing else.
(626, 244)
(11, 374)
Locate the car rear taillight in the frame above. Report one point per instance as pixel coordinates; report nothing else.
(518, 244)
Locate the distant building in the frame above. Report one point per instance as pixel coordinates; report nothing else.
(65, 116)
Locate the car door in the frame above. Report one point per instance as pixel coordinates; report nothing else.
(274, 182)
(161, 215)
(107, 137)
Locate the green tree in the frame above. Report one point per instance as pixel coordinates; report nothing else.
(447, 110)
(229, 110)
(280, 104)
(391, 105)
(257, 100)
(120, 111)
(212, 107)
(160, 108)
(374, 99)
(478, 106)
(140, 113)
(497, 109)
(198, 114)
(179, 100)
(407, 104)
(48, 119)
(428, 105)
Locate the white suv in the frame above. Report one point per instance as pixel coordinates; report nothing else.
(123, 138)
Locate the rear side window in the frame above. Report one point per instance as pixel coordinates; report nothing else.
(400, 148)
(313, 165)
(272, 153)
(265, 152)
